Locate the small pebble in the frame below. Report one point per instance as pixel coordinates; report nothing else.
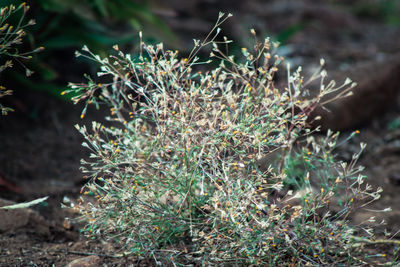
(89, 261)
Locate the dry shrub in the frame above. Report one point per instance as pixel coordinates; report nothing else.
(179, 179)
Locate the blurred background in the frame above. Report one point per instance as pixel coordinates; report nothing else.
(40, 149)
(343, 32)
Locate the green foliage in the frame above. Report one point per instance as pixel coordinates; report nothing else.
(384, 10)
(394, 124)
(176, 178)
(63, 26)
(94, 23)
(284, 36)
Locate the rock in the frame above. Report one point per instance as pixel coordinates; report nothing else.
(377, 90)
(89, 261)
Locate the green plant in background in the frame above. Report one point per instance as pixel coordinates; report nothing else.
(98, 24)
(385, 10)
(11, 36)
(394, 124)
(63, 26)
(176, 178)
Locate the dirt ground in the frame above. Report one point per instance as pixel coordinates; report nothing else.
(40, 149)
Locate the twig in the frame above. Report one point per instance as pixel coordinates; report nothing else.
(93, 253)
(377, 241)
